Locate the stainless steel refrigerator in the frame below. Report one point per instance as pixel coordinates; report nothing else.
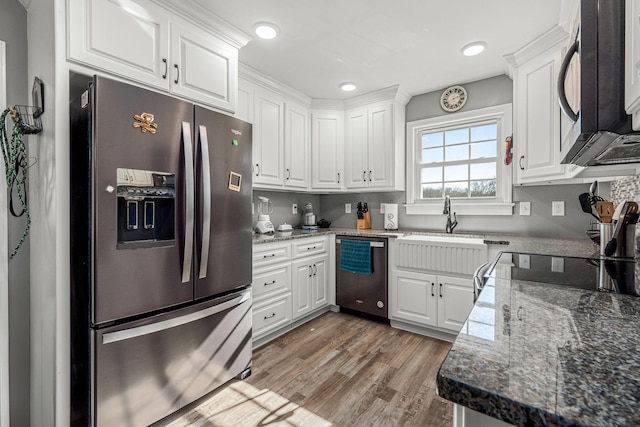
(160, 253)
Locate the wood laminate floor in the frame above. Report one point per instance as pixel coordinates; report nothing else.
(337, 370)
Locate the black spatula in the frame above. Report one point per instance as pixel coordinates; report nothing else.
(585, 203)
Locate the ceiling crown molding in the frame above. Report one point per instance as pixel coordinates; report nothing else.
(195, 13)
(256, 77)
(391, 92)
(539, 45)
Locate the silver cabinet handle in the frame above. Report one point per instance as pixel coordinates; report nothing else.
(315, 269)
(139, 331)
(166, 68)
(189, 202)
(288, 174)
(440, 290)
(273, 282)
(369, 176)
(269, 317)
(432, 285)
(364, 176)
(268, 256)
(206, 201)
(257, 169)
(177, 73)
(338, 177)
(520, 162)
(310, 247)
(310, 271)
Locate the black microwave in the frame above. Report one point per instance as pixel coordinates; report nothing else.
(601, 132)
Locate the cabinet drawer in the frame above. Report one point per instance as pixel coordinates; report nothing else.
(268, 254)
(312, 246)
(269, 281)
(271, 315)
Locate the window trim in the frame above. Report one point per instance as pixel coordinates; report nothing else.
(501, 204)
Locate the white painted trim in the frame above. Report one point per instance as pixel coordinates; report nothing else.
(541, 44)
(4, 265)
(501, 204)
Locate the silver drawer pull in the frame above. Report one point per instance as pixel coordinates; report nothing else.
(309, 248)
(269, 317)
(272, 283)
(268, 256)
(359, 301)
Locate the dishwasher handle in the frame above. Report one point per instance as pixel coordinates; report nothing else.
(372, 244)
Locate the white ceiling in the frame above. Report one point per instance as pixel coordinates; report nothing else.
(381, 43)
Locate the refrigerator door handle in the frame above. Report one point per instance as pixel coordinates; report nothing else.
(189, 202)
(206, 201)
(139, 331)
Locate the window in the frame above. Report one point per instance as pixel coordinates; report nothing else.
(461, 156)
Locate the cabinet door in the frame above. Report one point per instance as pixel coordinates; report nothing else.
(537, 138)
(203, 67)
(244, 104)
(320, 281)
(414, 297)
(356, 149)
(380, 146)
(302, 287)
(327, 146)
(127, 38)
(268, 146)
(296, 146)
(455, 301)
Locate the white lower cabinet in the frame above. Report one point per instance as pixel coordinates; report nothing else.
(290, 281)
(310, 284)
(431, 300)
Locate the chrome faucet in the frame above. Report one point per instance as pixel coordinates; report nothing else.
(447, 211)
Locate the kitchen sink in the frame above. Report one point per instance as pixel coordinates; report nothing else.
(445, 238)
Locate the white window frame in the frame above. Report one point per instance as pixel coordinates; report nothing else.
(499, 205)
(4, 263)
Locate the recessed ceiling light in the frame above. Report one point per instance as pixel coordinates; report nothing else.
(473, 48)
(348, 87)
(265, 30)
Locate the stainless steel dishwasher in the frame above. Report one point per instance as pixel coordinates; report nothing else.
(364, 294)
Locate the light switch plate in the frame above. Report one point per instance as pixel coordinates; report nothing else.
(347, 208)
(294, 209)
(524, 261)
(557, 208)
(557, 264)
(525, 208)
(382, 205)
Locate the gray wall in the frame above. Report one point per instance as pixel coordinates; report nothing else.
(483, 93)
(13, 31)
(282, 202)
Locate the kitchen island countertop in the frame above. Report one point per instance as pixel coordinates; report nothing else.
(532, 354)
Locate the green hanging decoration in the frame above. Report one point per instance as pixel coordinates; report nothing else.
(14, 154)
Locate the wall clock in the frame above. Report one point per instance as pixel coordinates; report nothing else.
(453, 98)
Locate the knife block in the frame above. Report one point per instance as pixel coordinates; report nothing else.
(365, 222)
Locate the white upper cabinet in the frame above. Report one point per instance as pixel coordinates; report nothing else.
(204, 68)
(141, 41)
(632, 61)
(281, 134)
(327, 149)
(296, 146)
(537, 118)
(268, 138)
(375, 141)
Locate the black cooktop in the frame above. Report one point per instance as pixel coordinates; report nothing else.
(621, 275)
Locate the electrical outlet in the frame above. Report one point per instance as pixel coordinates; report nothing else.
(294, 209)
(382, 205)
(525, 208)
(347, 208)
(557, 208)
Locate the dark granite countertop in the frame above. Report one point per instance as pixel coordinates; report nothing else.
(533, 354)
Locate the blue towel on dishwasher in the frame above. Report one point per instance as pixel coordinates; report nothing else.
(355, 256)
